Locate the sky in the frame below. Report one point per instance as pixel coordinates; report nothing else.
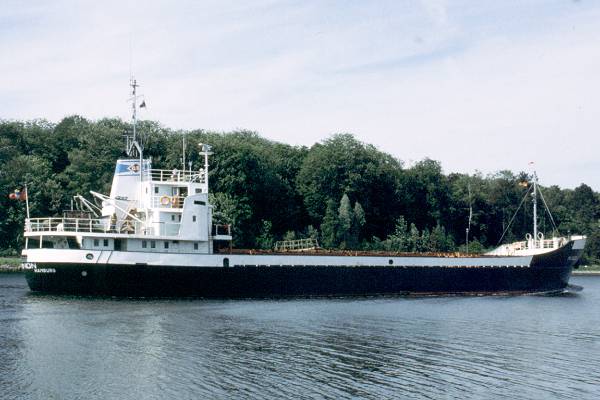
(478, 85)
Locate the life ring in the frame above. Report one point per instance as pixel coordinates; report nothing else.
(165, 200)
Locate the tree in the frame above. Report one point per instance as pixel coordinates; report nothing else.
(345, 216)
(265, 239)
(329, 226)
(358, 221)
(439, 240)
(231, 211)
(343, 165)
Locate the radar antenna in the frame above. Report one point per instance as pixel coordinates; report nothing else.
(133, 147)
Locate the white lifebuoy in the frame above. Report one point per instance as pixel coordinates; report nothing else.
(165, 200)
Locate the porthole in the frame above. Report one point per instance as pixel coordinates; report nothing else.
(391, 262)
(83, 273)
(89, 256)
(226, 262)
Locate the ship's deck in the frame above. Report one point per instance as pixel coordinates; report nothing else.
(356, 253)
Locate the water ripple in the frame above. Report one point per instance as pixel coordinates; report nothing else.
(378, 348)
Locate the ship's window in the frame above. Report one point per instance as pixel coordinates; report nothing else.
(172, 218)
(96, 243)
(144, 244)
(155, 189)
(33, 243)
(226, 262)
(105, 242)
(179, 216)
(200, 202)
(195, 246)
(175, 241)
(391, 261)
(152, 244)
(193, 218)
(198, 190)
(47, 244)
(166, 245)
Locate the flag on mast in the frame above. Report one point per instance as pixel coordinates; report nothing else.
(18, 194)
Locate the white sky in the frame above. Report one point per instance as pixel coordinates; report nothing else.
(478, 85)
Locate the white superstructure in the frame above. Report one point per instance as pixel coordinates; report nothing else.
(147, 210)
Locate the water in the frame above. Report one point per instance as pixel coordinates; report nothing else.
(440, 347)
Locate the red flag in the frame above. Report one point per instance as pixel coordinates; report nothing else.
(18, 195)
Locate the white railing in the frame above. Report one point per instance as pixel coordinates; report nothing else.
(219, 230)
(65, 225)
(175, 175)
(297, 245)
(87, 225)
(530, 246)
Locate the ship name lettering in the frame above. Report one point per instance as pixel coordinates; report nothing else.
(44, 271)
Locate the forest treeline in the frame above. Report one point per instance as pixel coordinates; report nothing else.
(345, 193)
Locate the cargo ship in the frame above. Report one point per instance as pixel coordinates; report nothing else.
(154, 236)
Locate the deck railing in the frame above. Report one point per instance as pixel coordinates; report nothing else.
(529, 246)
(87, 225)
(219, 230)
(297, 245)
(553, 243)
(126, 227)
(175, 175)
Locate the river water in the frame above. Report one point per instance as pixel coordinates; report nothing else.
(530, 347)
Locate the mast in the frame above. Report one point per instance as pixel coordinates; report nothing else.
(534, 195)
(132, 144)
(205, 151)
(183, 154)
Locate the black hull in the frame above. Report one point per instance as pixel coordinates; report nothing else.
(547, 273)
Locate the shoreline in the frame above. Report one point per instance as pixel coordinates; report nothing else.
(9, 270)
(585, 273)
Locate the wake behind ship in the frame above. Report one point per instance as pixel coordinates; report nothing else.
(154, 236)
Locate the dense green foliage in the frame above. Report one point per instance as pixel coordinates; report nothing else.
(345, 193)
